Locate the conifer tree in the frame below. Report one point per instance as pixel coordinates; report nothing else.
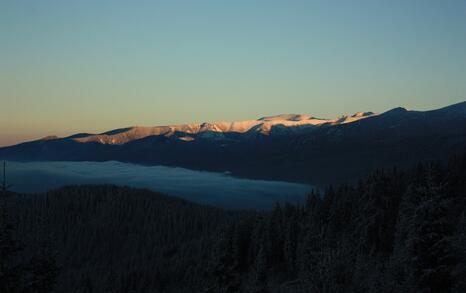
(260, 272)
(431, 246)
(11, 271)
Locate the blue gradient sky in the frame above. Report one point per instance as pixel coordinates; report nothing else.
(90, 66)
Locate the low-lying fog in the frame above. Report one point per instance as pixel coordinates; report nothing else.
(203, 187)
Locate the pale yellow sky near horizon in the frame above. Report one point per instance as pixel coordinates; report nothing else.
(92, 66)
(8, 138)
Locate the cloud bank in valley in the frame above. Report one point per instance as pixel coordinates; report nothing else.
(203, 187)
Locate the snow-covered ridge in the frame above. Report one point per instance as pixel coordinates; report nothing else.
(186, 132)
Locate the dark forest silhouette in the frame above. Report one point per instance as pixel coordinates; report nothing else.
(24, 266)
(393, 231)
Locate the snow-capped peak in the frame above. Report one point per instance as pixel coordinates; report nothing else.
(362, 114)
(186, 132)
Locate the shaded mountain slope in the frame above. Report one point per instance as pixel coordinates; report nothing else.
(313, 153)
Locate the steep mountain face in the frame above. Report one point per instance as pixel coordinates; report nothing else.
(286, 147)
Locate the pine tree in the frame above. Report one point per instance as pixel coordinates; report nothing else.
(431, 246)
(224, 265)
(43, 268)
(292, 233)
(44, 271)
(400, 275)
(241, 244)
(11, 272)
(260, 272)
(460, 246)
(274, 247)
(5, 186)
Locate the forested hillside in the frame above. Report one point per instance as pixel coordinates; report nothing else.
(393, 231)
(113, 239)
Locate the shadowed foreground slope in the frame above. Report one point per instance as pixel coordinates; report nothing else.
(392, 232)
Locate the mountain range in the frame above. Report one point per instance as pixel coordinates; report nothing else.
(291, 147)
(217, 130)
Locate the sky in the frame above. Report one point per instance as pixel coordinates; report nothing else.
(95, 65)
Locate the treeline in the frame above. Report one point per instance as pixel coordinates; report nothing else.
(394, 231)
(116, 239)
(23, 270)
